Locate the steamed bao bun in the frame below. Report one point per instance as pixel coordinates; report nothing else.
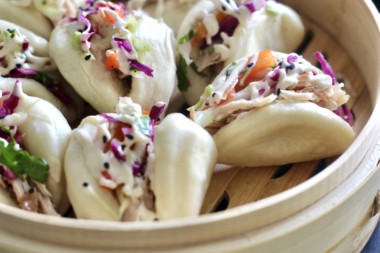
(23, 49)
(118, 55)
(27, 17)
(38, 15)
(44, 132)
(281, 31)
(272, 109)
(119, 168)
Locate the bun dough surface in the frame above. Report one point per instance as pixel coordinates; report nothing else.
(281, 133)
(44, 134)
(185, 158)
(27, 17)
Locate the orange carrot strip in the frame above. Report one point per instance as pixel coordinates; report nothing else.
(112, 61)
(265, 60)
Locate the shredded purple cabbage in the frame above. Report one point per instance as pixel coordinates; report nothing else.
(123, 44)
(10, 103)
(137, 65)
(275, 75)
(325, 66)
(344, 112)
(59, 94)
(137, 169)
(154, 116)
(20, 72)
(261, 91)
(109, 118)
(228, 25)
(7, 173)
(116, 152)
(250, 7)
(255, 5)
(25, 44)
(292, 59)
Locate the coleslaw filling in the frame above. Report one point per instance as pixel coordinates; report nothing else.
(291, 78)
(207, 42)
(106, 26)
(125, 139)
(22, 174)
(17, 55)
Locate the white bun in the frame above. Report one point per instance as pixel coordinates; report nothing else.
(27, 17)
(44, 134)
(281, 133)
(102, 88)
(185, 158)
(83, 165)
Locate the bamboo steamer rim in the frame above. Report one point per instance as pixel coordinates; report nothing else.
(366, 135)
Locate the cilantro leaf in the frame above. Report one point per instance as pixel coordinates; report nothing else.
(183, 81)
(186, 37)
(195, 69)
(21, 162)
(43, 78)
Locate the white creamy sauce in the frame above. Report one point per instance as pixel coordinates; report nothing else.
(291, 72)
(15, 56)
(120, 171)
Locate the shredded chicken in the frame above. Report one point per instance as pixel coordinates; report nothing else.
(30, 195)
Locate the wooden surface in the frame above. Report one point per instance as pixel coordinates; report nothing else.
(319, 206)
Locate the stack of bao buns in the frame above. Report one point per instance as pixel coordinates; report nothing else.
(87, 97)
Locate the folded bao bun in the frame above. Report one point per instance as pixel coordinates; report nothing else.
(273, 108)
(43, 133)
(133, 57)
(214, 33)
(27, 17)
(171, 11)
(25, 57)
(119, 167)
(38, 15)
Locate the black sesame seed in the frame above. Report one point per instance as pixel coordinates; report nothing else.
(87, 57)
(129, 136)
(106, 165)
(123, 146)
(237, 4)
(3, 116)
(85, 184)
(224, 8)
(228, 1)
(250, 64)
(278, 92)
(104, 138)
(112, 8)
(31, 190)
(291, 66)
(213, 94)
(18, 65)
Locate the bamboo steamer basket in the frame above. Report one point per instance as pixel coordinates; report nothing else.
(330, 205)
